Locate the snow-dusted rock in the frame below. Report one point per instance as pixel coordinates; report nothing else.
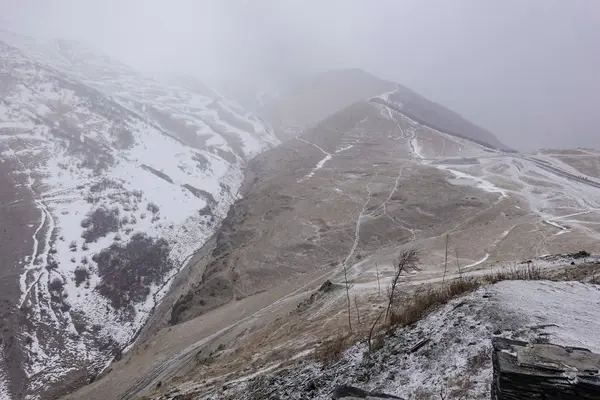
(344, 392)
(539, 370)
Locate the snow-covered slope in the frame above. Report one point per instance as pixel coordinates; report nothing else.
(435, 116)
(128, 177)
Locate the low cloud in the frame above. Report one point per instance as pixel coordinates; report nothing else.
(525, 70)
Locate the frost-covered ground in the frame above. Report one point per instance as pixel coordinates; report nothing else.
(4, 390)
(129, 177)
(559, 194)
(455, 359)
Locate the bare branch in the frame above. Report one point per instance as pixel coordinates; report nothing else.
(408, 258)
(446, 259)
(458, 265)
(378, 283)
(357, 310)
(369, 340)
(347, 296)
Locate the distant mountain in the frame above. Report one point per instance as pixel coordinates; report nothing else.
(437, 117)
(306, 101)
(109, 182)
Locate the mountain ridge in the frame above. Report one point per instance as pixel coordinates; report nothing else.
(308, 100)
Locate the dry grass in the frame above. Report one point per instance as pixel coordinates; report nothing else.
(584, 272)
(461, 386)
(423, 394)
(525, 273)
(332, 350)
(424, 302)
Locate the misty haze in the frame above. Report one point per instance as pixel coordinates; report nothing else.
(299, 199)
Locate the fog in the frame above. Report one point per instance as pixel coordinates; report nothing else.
(526, 70)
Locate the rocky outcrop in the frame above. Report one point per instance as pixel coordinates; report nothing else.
(344, 392)
(543, 371)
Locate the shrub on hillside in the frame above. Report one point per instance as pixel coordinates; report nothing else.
(153, 208)
(124, 139)
(100, 223)
(128, 270)
(81, 275)
(56, 284)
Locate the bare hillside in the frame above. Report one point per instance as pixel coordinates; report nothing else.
(346, 196)
(307, 101)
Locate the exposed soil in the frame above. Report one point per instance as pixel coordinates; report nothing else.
(19, 218)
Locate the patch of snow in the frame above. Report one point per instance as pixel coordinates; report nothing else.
(569, 311)
(417, 150)
(322, 162)
(462, 178)
(484, 259)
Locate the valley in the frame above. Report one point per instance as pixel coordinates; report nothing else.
(157, 240)
(349, 200)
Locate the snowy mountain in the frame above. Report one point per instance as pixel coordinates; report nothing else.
(110, 181)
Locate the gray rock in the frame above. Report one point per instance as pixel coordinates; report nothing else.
(543, 371)
(344, 392)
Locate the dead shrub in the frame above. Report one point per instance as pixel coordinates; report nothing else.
(407, 259)
(460, 286)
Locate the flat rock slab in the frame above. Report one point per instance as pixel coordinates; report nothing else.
(543, 371)
(351, 393)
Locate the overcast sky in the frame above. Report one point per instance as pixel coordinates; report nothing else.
(528, 70)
